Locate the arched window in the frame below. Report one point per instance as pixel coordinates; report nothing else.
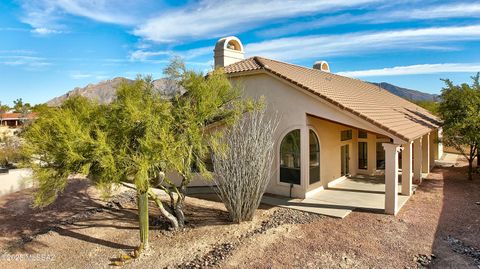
(290, 158)
(314, 158)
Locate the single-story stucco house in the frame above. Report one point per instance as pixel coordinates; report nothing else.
(11, 122)
(333, 127)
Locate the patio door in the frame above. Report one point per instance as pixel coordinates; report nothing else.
(345, 160)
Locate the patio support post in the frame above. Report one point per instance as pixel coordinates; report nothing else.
(407, 169)
(432, 149)
(391, 177)
(417, 167)
(440, 143)
(426, 153)
(304, 159)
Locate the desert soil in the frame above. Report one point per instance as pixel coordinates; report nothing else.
(439, 227)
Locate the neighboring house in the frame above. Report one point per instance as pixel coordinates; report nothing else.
(10, 122)
(14, 120)
(333, 126)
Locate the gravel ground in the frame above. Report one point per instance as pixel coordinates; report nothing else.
(439, 227)
(423, 234)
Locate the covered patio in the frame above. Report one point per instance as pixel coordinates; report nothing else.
(361, 193)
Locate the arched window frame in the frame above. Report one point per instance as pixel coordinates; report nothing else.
(311, 129)
(282, 137)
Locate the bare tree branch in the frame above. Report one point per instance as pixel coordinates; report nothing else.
(242, 163)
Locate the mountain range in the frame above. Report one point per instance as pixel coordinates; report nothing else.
(104, 91)
(408, 94)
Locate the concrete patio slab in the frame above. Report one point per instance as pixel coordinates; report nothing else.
(370, 201)
(364, 193)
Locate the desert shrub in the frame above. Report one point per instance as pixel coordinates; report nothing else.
(242, 163)
(10, 151)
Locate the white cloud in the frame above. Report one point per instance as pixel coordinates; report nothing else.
(193, 53)
(28, 62)
(457, 10)
(42, 16)
(110, 11)
(45, 16)
(142, 55)
(393, 14)
(45, 31)
(297, 27)
(211, 18)
(321, 46)
(416, 69)
(12, 29)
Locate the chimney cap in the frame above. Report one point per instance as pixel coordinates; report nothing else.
(230, 43)
(228, 50)
(322, 66)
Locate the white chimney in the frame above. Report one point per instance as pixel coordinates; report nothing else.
(322, 66)
(228, 50)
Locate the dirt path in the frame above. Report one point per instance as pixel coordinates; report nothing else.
(82, 231)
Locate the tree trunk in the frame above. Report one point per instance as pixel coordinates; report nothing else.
(173, 220)
(478, 159)
(179, 214)
(143, 220)
(470, 169)
(180, 203)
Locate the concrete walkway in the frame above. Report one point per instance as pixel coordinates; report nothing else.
(15, 180)
(359, 193)
(449, 160)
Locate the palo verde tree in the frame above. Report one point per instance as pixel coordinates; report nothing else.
(460, 112)
(206, 100)
(128, 140)
(139, 138)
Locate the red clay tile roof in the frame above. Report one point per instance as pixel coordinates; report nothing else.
(365, 100)
(16, 116)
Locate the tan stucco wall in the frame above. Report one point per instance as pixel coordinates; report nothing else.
(293, 105)
(330, 150)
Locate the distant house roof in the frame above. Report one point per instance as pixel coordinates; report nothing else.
(17, 116)
(365, 100)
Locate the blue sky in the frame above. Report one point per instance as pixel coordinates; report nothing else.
(49, 47)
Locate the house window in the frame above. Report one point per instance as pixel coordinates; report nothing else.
(314, 158)
(362, 155)
(290, 158)
(346, 135)
(380, 156)
(362, 134)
